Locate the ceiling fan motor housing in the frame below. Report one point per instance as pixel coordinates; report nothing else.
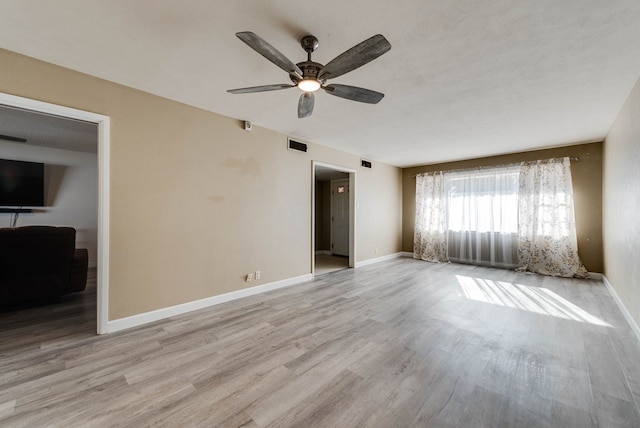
(310, 70)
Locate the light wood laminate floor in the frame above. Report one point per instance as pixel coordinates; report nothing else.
(403, 343)
(325, 263)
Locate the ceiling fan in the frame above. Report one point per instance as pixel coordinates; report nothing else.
(310, 76)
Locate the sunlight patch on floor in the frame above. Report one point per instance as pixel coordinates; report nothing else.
(533, 299)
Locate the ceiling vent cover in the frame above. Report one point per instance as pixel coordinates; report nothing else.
(296, 145)
(11, 138)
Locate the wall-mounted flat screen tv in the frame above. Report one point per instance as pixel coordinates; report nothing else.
(21, 183)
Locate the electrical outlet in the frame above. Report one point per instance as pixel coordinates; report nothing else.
(257, 274)
(249, 277)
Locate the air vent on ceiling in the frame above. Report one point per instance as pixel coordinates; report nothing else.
(10, 138)
(365, 163)
(296, 145)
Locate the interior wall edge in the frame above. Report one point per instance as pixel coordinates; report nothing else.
(625, 312)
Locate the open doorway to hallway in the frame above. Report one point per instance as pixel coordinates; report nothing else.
(333, 219)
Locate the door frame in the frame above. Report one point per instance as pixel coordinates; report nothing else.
(352, 211)
(103, 122)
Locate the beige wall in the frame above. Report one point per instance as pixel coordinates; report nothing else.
(196, 201)
(587, 186)
(621, 203)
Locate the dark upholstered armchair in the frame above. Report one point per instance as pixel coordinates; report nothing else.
(40, 262)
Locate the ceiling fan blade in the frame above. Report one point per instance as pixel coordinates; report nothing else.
(355, 57)
(263, 88)
(354, 93)
(259, 45)
(305, 104)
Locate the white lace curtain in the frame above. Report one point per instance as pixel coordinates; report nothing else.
(482, 216)
(430, 239)
(514, 216)
(547, 241)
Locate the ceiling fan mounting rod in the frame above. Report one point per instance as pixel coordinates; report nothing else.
(309, 68)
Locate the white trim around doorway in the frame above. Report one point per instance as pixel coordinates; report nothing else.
(103, 189)
(352, 210)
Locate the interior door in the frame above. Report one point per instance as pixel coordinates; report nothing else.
(340, 217)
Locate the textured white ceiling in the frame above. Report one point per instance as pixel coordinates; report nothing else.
(464, 78)
(46, 130)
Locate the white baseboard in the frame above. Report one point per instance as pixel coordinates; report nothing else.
(407, 254)
(323, 253)
(378, 259)
(623, 309)
(159, 314)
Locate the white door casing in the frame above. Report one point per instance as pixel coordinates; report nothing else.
(103, 122)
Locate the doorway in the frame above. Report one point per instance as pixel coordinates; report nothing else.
(103, 143)
(333, 219)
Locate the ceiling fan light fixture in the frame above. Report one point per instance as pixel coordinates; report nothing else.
(309, 85)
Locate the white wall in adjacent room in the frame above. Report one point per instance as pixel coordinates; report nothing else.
(71, 192)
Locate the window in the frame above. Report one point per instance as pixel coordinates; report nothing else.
(510, 216)
(483, 200)
(482, 216)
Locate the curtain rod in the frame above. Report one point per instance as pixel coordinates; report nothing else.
(572, 158)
